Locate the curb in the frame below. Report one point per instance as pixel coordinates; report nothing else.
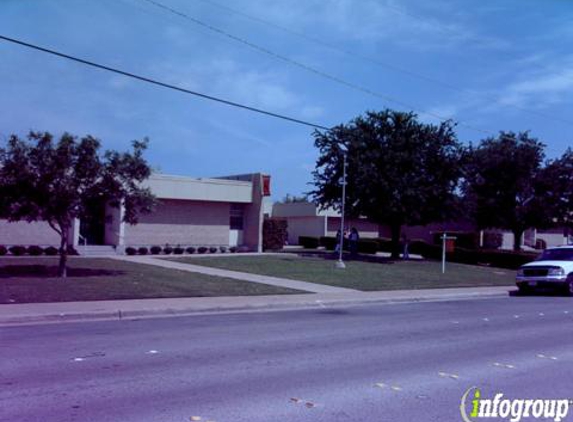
(127, 314)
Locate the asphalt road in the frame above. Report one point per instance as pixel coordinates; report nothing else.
(407, 362)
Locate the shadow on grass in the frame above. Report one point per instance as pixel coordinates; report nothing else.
(35, 271)
(332, 256)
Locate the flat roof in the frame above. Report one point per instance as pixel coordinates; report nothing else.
(168, 186)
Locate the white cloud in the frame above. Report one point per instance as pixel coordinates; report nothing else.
(541, 88)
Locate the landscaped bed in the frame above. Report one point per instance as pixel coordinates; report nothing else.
(360, 275)
(32, 280)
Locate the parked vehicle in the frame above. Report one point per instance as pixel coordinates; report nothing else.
(553, 269)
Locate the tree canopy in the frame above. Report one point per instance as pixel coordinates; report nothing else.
(400, 171)
(57, 181)
(503, 183)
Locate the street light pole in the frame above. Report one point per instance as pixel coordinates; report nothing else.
(340, 263)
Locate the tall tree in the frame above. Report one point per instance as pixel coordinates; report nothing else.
(503, 183)
(57, 182)
(558, 188)
(399, 171)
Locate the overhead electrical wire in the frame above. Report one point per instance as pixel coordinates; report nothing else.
(311, 69)
(378, 62)
(160, 83)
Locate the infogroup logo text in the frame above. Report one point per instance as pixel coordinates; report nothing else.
(513, 410)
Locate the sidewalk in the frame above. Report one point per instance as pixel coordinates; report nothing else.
(254, 278)
(148, 308)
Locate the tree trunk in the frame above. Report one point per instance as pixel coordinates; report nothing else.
(517, 234)
(62, 268)
(395, 230)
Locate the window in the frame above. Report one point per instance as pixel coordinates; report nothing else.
(236, 218)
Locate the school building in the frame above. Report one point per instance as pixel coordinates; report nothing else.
(221, 211)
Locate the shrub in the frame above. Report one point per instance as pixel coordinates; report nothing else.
(51, 251)
(213, 249)
(243, 249)
(155, 250)
(3, 250)
(202, 249)
(223, 249)
(274, 234)
(384, 244)
(191, 250)
(492, 240)
(167, 250)
(178, 250)
(308, 242)
(17, 250)
(417, 247)
(233, 249)
(143, 251)
(72, 251)
(130, 250)
(367, 246)
(35, 250)
(329, 242)
(501, 259)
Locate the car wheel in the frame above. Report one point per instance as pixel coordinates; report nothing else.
(523, 289)
(570, 288)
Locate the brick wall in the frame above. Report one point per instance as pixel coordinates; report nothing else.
(24, 233)
(182, 222)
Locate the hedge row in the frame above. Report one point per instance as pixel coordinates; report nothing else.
(33, 250)
(179, 250)
(495, 258)
(274, 234)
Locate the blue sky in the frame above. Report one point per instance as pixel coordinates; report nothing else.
(489, 65)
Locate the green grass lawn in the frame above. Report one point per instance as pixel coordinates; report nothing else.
(33, 280)
(367, 276)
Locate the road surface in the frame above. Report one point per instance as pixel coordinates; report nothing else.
(403, 362)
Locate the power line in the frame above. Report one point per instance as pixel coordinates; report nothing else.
(308, 68)
(384, 64)
(161, 84)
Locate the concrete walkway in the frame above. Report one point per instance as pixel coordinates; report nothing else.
(34, 313)
(254, 278)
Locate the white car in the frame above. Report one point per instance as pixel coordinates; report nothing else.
(553, 269)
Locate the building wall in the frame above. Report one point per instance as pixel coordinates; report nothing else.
(305, 226)
(254, 216)
(182, 222)
(24, 233)
(365, 228)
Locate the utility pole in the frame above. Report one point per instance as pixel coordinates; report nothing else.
(340, 262)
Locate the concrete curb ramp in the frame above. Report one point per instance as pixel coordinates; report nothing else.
(14, 314)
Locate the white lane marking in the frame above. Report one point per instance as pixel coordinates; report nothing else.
(486, 319)
(78, 359)
(565, 312)
(516, 316)
(541, 314)
(392, 387)
(320, 304)
(151, 352)
(542, 356)
(455, 322)
(195, 418)
(448, 375)
(504, 365)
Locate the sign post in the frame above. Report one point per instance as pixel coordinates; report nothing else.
(447, 246)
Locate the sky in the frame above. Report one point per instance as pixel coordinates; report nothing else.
(489, 65)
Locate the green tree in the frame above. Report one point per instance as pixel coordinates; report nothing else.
(558, 188)
(399, 171)
(503, 183)
(43, 180)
